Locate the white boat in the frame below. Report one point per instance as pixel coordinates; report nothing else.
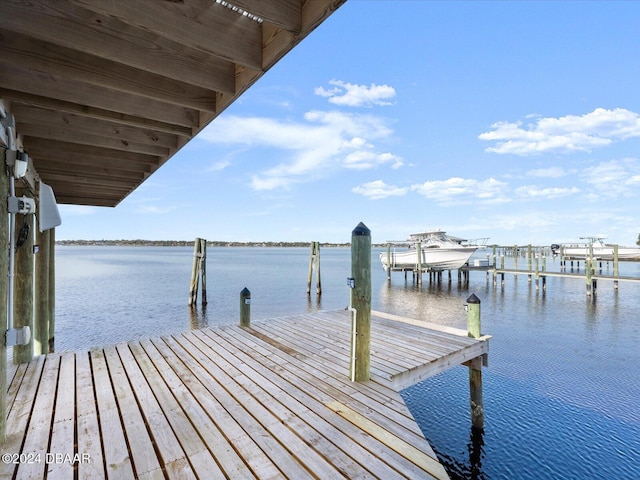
(601, 250)
(438, 251)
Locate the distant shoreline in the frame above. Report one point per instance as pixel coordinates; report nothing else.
(189, 243)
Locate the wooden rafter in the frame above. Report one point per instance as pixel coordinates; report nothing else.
(104, 93)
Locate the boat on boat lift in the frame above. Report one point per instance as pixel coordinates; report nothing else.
(437, 251)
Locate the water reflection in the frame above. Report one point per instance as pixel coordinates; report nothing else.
(198, 317)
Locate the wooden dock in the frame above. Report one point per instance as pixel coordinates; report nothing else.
(270, 401)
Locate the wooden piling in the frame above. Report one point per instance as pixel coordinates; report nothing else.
(314, 261)
(245, 307)
(475, 366)
(389, 262)
(41, 323)
(419, 253)
(361, 303)
(4, 287)
(52, 290)
(616, 272)
(198, 271)
(203, 269)
(23, 294)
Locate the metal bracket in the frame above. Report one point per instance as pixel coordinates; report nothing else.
(23, 205)
(18, 336)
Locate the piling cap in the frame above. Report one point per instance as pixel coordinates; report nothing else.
(473, 299)
(245, 292)
(361, 230)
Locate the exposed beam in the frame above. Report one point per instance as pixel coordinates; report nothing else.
(285, 14)
(17, 49)
(93, 112)
(93, 126)
(37, 83)
(49, 168)
(93, 152)
(61, 23)
(218, 30)
(45, 131)
(44, 158)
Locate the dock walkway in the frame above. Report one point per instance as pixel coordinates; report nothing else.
(270, 401)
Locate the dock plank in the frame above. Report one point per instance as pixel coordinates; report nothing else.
(63, 430)
(37, 437)
(270, 401)
(140, 443)
(116, 450)
(87, 427)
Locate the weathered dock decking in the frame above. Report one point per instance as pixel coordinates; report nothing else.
(270, 401)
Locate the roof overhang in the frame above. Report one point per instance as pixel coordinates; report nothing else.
(105, 92)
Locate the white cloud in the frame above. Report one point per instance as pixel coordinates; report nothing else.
(551, 172)
(320, 144)
(535, 192)
(459, 191)
(155, 209)
(613, 178)
(566, 134)
(378, 189)
(349, 94)
(221, 165)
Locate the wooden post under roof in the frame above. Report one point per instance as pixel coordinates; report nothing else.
(23, 294)
(4, 267)
(42, 311)
(52, 289)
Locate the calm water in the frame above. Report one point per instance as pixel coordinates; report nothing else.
(561, 391)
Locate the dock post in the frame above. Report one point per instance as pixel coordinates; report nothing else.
(245, 307)
(537, 274)
(475, 366)
(314, 260)
(388, 262)
(195, 278)
(529, 262)
(52, 290)
(203, 269)
(419, 253)
(4, 287)
(198, 270)
(587, 270)
(23, 294)
(615, 266)
(515, 260)
(41, 324)
(360, 303)
(502, 268)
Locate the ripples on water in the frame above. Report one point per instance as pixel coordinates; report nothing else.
(562, 386)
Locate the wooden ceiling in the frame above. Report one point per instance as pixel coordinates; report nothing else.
(105, 91)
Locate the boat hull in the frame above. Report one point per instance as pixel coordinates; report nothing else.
(602, 252)
(449, 258)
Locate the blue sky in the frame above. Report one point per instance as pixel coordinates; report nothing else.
(518, 121)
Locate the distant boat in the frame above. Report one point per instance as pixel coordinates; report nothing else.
(601, 250)
(438, 252)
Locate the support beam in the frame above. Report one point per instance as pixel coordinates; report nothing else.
(4, 288)
(361, 303)
(42, 311)
(23, 311)
(475, 369)
(52, 289)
